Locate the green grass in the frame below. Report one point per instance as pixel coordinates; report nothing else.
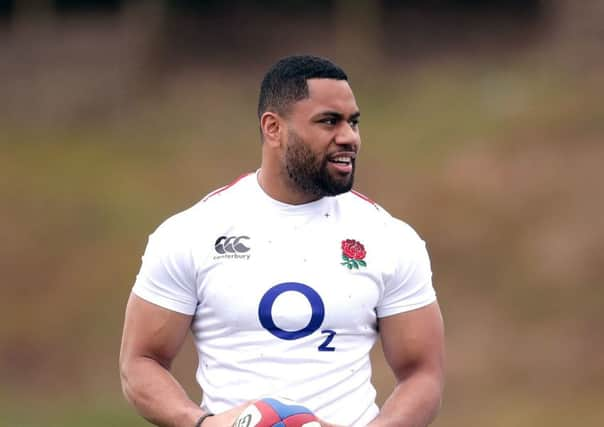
(72, 413)
(494, 409)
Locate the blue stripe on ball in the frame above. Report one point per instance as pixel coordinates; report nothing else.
(285, 411)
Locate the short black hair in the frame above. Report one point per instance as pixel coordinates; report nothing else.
(285, 82)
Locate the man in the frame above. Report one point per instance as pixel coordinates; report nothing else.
(285, 278)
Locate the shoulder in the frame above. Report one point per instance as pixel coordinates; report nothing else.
(235, 193)
(358, 204)
(364, 211)
(358, 207)
(232, 190)
(217, 204)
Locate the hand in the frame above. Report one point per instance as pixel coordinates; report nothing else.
(226, 418)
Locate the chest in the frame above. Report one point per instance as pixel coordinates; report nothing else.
(291, 278)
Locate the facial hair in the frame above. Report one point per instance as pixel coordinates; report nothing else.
(310, 173)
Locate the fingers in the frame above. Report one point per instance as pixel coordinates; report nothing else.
(226, 418)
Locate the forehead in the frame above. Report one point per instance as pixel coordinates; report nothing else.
(328, 95)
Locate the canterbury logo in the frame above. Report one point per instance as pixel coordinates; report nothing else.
(231, 244)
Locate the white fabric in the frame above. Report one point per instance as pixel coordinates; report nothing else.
(327, 320)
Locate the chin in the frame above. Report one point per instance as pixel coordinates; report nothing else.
(340, 186)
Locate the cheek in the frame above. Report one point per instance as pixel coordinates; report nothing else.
(322, 141)
(318, 142)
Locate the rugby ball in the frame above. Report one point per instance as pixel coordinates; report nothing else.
(272, 412)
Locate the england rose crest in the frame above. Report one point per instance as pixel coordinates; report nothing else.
(353, 254)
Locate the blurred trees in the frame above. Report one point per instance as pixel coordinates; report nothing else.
(193, 29)
(213, 7)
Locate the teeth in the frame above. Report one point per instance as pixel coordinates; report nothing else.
(342, 159)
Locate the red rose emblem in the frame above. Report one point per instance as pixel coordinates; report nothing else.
(353, 249)
(353, 253)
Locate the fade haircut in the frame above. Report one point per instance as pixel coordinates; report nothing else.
(285, 82)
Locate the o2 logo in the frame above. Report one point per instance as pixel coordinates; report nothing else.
(265, 314)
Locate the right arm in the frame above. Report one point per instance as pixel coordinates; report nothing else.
(152, 337)
(151, 340)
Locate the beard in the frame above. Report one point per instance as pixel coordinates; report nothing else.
(310, 173)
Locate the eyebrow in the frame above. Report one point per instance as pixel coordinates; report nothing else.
(339, 116)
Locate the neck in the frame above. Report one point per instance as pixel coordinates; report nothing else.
(280, 187)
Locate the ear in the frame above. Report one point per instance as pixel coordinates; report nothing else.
(271, 126)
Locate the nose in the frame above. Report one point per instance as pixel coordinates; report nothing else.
(348, 134)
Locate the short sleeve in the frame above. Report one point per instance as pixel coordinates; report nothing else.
(410, 285)
(167, 274)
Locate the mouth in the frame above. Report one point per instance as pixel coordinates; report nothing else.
(342, 162)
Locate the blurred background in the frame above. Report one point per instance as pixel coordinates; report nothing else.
(483, 127)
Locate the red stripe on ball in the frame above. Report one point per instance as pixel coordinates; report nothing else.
(298, 420)
(269, 415)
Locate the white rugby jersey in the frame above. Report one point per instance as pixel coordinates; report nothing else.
(286, 298)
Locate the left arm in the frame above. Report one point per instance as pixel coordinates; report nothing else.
(413, 344)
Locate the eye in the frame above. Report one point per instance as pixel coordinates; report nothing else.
(329, 121)
(353, 122)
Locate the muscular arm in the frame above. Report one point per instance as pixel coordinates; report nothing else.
(151, 339)
(413, 344)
